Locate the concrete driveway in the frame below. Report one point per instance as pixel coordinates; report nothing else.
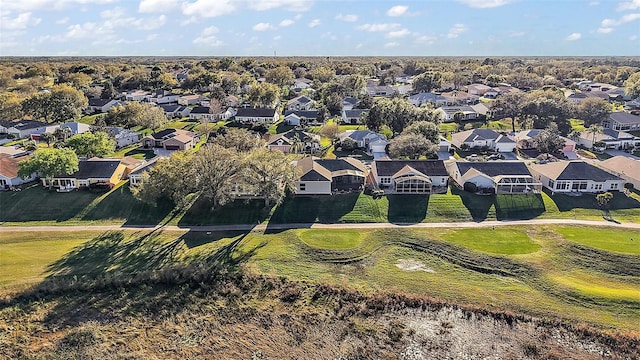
(621, 153)
(509, 155)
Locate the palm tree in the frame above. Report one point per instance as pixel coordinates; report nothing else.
(594, 130)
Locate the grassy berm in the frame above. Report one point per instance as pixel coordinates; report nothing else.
(100, 302)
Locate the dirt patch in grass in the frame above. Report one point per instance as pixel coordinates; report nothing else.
(413, 265)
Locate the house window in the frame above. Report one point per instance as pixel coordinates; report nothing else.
(614, 186)
(551, 184)
(562, 185)
(303, 186)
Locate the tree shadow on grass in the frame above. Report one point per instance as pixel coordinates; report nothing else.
(112, 276)
(478, 205)
(297, 209)
(237, 212)
(333, 208)
(121, 204)
(519, 207)
(407, 208)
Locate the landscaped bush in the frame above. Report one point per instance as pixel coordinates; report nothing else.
(470, 187)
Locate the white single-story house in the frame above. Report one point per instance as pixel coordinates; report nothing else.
(102, 105)
(622, 121)
(26, 128)
(575, 176)
(257, 115)
(370, 141)
(137, 95)
(171, 139)
(352, 116)
(427, 98)
(498, 177)
(294, 141)
(91, 172)
(186, 100)
(478, 138)
(328, 176)
(626, 168)
(448, 113)
(9, 170)
(135, 176)
(612, 139)
(301, 103)
(125, 137)
(409, 176)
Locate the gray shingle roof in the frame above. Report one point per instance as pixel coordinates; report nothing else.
(256, 112)
(580, 170)
(625, 118)
(494, 169)
(427, 167)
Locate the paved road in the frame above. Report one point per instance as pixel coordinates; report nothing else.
(263, 227)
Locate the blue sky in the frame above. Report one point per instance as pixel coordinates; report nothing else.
(320, 27)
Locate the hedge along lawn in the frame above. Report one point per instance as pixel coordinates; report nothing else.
(495, 241)
(616, 240)
(334, 240)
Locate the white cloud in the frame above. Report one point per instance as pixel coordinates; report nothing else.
(34, 5)
(277, 37)
(426, 39)
(62, 21)
(207, 37)
(629, 5)
(210, 30)
(378, 27)
(633, 37)
(263, 26)
(516, 33)
(347, 17)
(485, 4)
(314, 23)
(573, 37)
(152, 37)
(607, 25)
(397, 10)
(23, 21)
(208, 8)
(160, 6)
(391, 44)
(456, 30)
(291, 5)
(286, 22)
(398, 34)
(594, 3)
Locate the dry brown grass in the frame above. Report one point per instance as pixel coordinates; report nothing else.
(194, 312)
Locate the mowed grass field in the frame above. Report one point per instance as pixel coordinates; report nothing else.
(546, 271)
(36, 205)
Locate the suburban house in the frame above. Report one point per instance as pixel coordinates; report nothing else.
(497, 177)
(295, 141)
(352, 116)
(171, 139)
(525, 141)
(92, 172)
(175, 111)
(622, 121)
(329, 176)
(427, 98)
(137, 95)
(135, 176)
(349, 102)
(301, 84)
(301, 103)
(476, 89)
(379, 90)
(444, 145)
(25, 128)
(612, 139)
(161, 97)
(204, 113)
(257, 115)
(626, 168)
(409, 176)
(460, 98)
(451, 113)
(633, 104)
(186, 100)
(576, 98)
(370, 141)
(76, 128)
(102, 105)
(298, 117)
(9, 170)
(479, 138)
(125, 137)
(575, 176)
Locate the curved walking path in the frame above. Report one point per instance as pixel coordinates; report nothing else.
(266, 227)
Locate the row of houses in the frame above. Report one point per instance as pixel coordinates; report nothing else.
(330, 176)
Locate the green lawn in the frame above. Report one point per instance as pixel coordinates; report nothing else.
(495, 241)
(36, 204)
(520, 269)
(623, 241)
